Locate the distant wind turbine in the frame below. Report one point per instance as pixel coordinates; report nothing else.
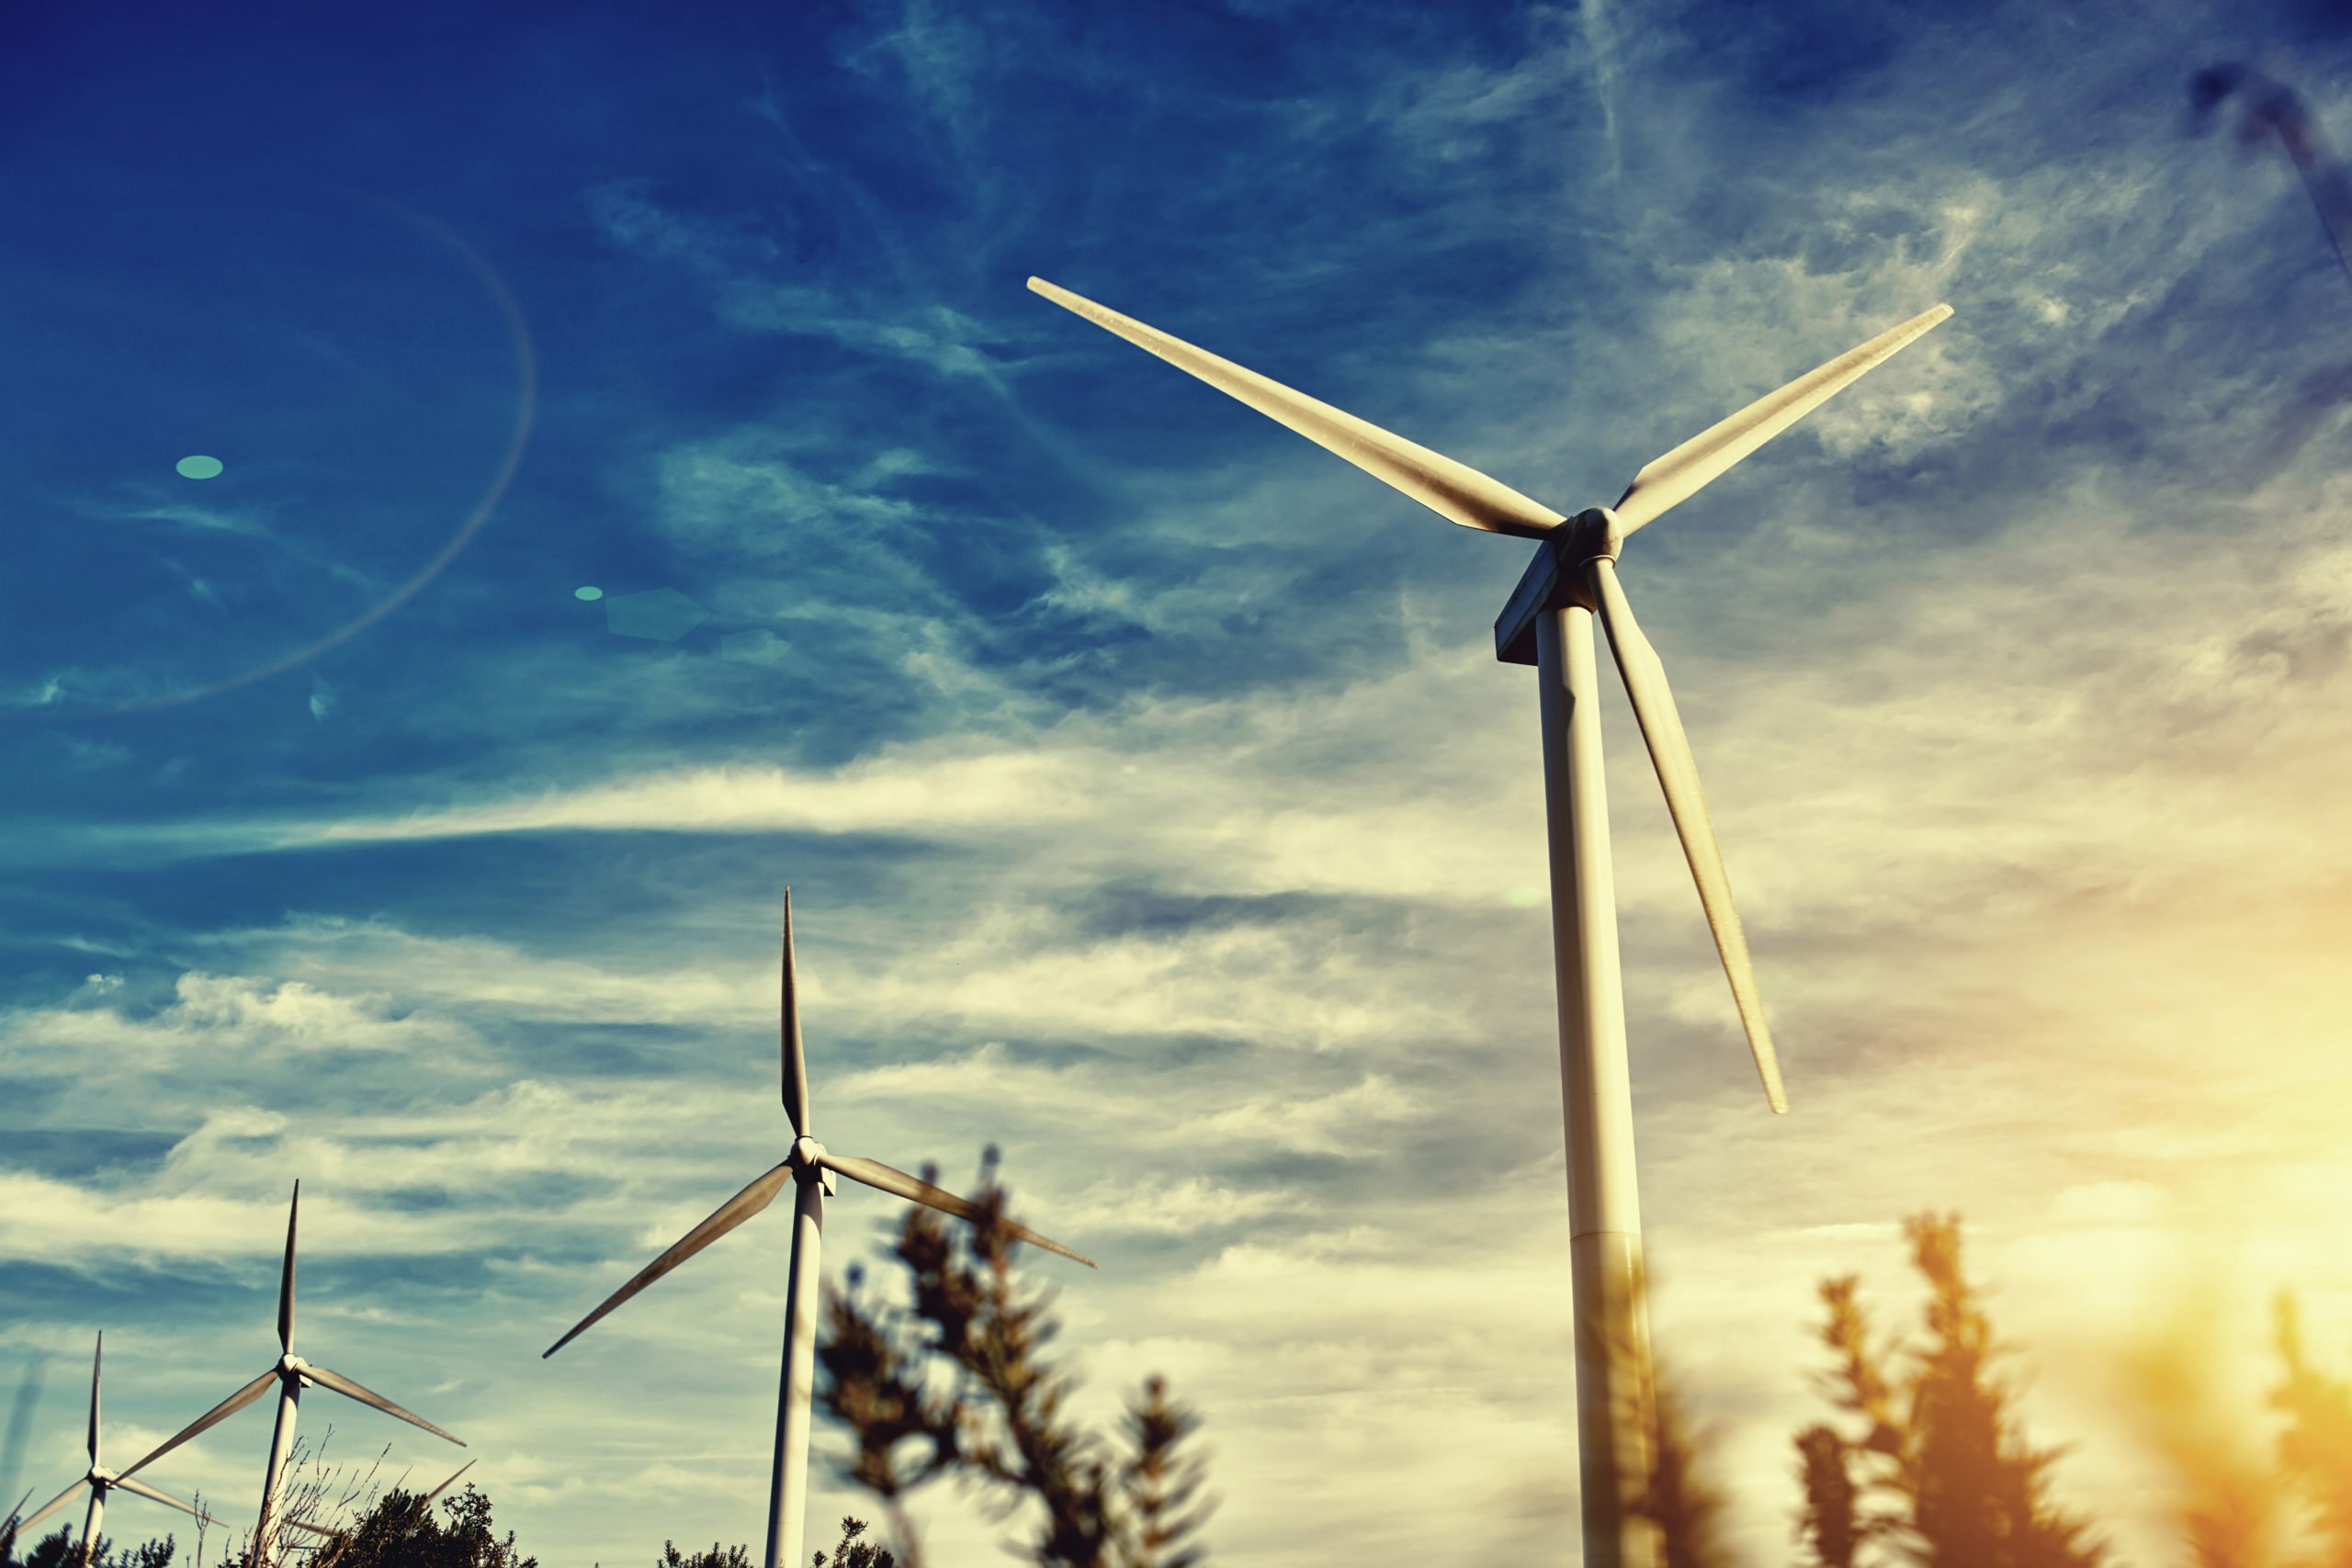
(101, 1480)
(292, 1374)
(1548, 623)
(810, 1167)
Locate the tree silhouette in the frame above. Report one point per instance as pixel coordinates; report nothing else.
(1831, 1523)
(62, 1548)
(852, 1552)
(857, 1553)
(401, 1531)
(2315, 1449)
(1937, 1444)
(1923, 1458)
(1686, 1508)
(997, 1414)
(717, 1557)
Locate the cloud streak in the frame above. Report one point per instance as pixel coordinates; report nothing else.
(1155, 805)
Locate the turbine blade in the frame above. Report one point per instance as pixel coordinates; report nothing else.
(796, 1057)
(1678, 774)
(351, 1389)
(1453, 490)
(1674, 479)
(25, 1525)
(97, 1356)
(729, 1214)
(286, 1281)
(326, 1530)
(452, 1481)
(210, 1419)
(874, 1173)
(146, 1491)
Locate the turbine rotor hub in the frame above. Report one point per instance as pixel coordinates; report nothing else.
(1591, 534)
(808, 1163)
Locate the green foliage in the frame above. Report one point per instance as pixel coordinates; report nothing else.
(959, 1385)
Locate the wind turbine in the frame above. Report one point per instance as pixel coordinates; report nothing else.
(292, 1374)
(810, 1167)
(1548, 623)
(100, 1480)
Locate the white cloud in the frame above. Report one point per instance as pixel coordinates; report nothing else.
(208, 1011)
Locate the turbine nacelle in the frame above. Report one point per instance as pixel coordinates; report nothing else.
(1594, 534)
(1559, 578)
(806, 1163)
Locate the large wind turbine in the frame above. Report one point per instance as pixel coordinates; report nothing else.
(292, 1374)
(1548, 623)
(810, 1167)
(101, 1480)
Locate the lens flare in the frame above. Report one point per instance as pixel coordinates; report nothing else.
(202, 466)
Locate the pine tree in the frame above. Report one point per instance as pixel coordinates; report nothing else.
(1939, 1445)
(1832, 1522)
(62, 1548)
(997, 1411)
(2315, 1449)
(1684, 1505)
(717, 1557)
(857, 1553)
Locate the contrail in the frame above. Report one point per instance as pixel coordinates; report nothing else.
(1601, 41)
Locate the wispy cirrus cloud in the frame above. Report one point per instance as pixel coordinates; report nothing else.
(1153, 806)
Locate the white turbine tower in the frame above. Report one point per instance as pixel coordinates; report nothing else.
(810, 1167)
(1548, 623)
(292, 1374)
(101, 1480)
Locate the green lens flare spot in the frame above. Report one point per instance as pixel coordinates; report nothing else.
(590, 594)
(199, 466)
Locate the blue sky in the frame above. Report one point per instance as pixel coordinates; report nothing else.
(1154, 806)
